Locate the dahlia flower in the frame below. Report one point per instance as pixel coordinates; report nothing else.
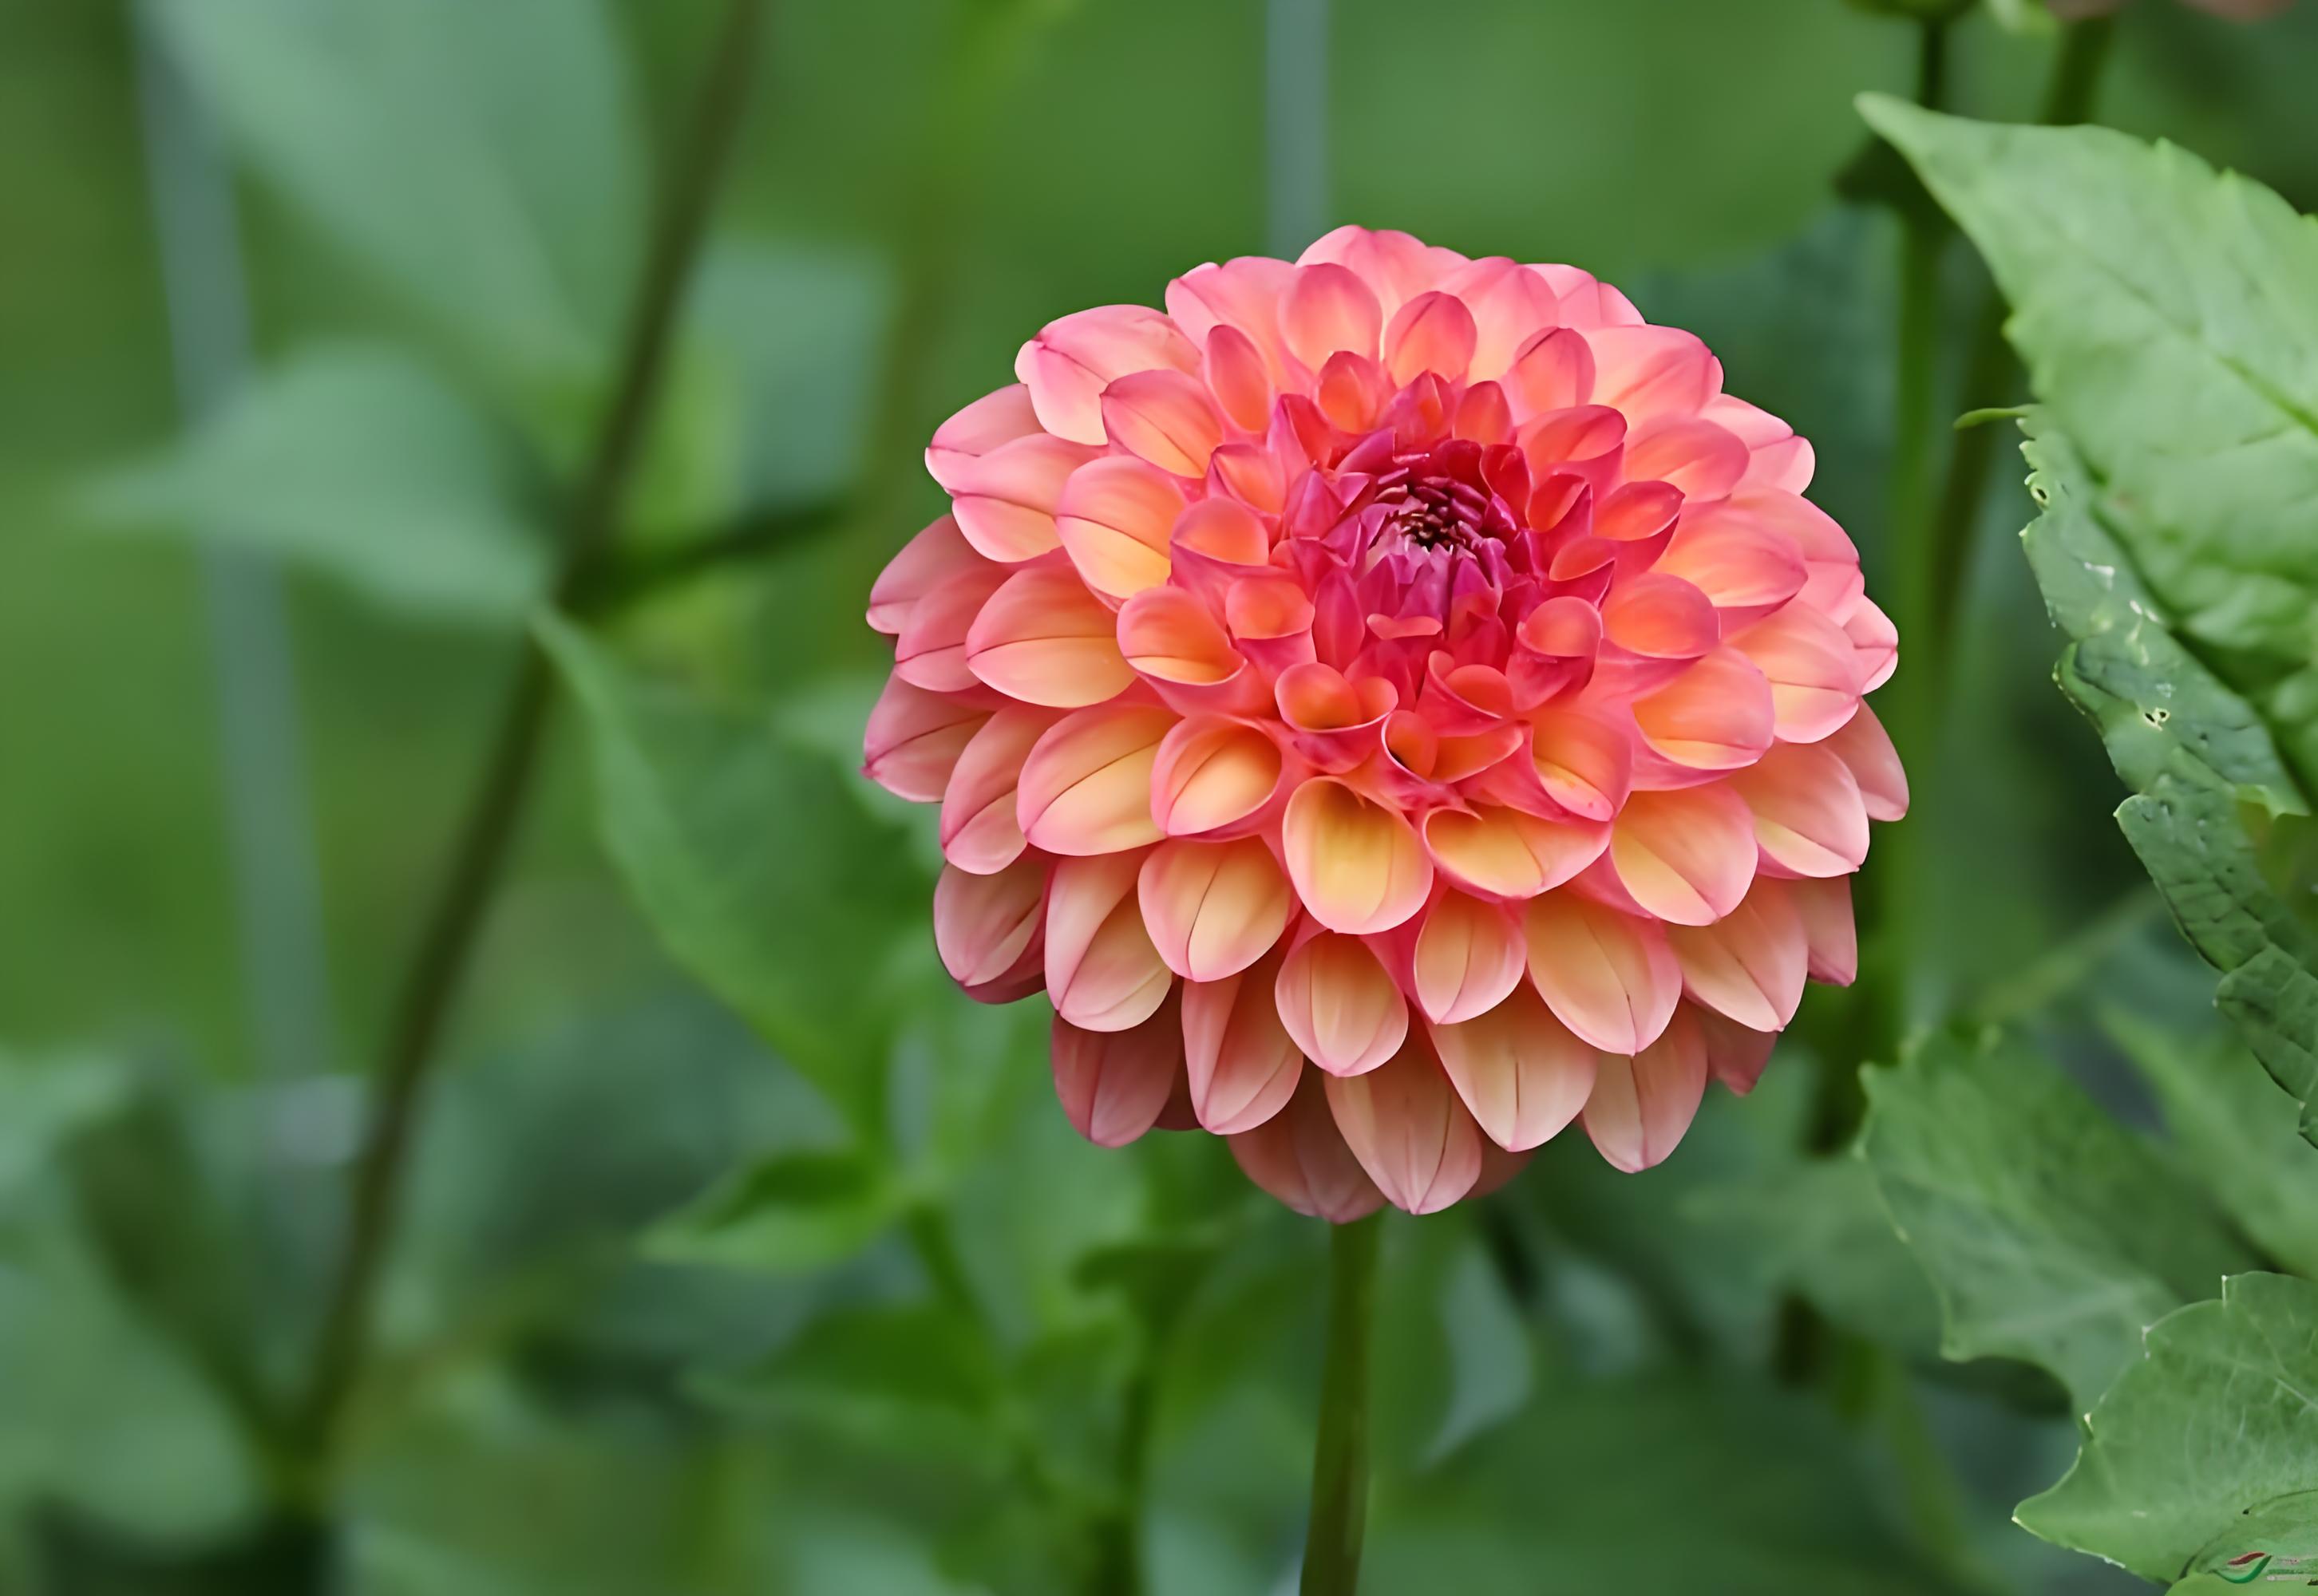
(1412, 667)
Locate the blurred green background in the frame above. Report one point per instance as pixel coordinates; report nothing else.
(1580, 1389)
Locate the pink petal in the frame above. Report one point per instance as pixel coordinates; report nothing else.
(1212, 773)
(1213, 908)
(1405, 1123)
(1357, 864)
(1659, 617)
(1468, 955)
(925, 562)
(988, 928)
(980, 833)
(1833, 939)
(1750, 965)
(931, 652)
(1165, 417)
(1685, 856)
(1700, 458)
(1340, 1004)
(1395, 266)
(1235, 371)
(1642, 1106)
(1735, 1055)
(1608, 976)
(1502, 853)
(1582, 763)
(1744, 568)
(1005, 500)
(1650, 372)
(1328, 308)
(1877, 642)
(1102, 970)
(1862, 744)
(1717, 715)
(1299, 1156)
(1116, 517)
(1519, 1070)
(1242, 294)
(1115, 1084)
(1170, 637)
(1243, 1065)
(990, 421)
(1044, 639)
(1071, 361)
(1086, 787)
(1511, 304)
(1812, 669)
(1554, 371)
(1810, 818)
(1433, 332)
(914, 738)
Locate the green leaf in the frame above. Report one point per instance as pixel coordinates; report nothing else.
(2051, 1233)
(360, 464)
(2279, 1538)
(757, 865)
(483, 159)
(886, 1375)
(786, 1214)
(2215, 1418)
(2239, 1133)
(45, 1102)
(2168, 317)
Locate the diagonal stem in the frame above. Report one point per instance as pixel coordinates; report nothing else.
(432, 981)
(1339, 1450)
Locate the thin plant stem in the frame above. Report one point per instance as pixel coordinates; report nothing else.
(1340, 1451)
(480, 854)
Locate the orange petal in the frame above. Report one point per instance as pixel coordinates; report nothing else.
(1405, 1123)
(1071, 360)
(931, 652)
(1243, 1065)
(1510, 304)
(1553, 371)
(1503, 852)
(1166, 417)
(1750, 965)
(1828, 930)
(1433, 332)
(1812, 668)
(1701, 458)
(1659, 617)
(1299, 1156)
(1735, 1055)
(1115, 516)
(1740, 564)
(1044, 639)
(1212, 773)
(1327, 308)
(1642, 1105)
(1584, 764)
(1609, 977)
(989, 422)
(1339, 1005)
(986, 928)
(1876, 642)
(1114, 1084)
(1685, 856)
(1086, 787)
(1716, 715)
(1862, 744)
(914, 738)
(1102, 970)
(1235, 372)
(1224, 530)
(1005, 499)
(1169, 636)
(1357, 865)
(1468, 955)
(1810, 818)
(1648, 371)
(1213, 908)
(1520, 1072)
(980, 832)
(925, 562)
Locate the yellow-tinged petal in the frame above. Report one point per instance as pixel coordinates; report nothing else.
(980, 832)
(1610, 978)
(1503, 853)
(1358, 865)
(1042, 637)
(1213, 908)
(1243, 1064)
(1340, 1004)
(1687, 855)
(1115, 517)
(1522, 1074)
(1411, 1133)
(1086, 787)
(1102, 970)
(1749, 965)
(1468, 955)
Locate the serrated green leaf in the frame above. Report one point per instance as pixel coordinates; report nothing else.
(359, 463)
(786, 1214)
(757, 866)
(2167, 316)
(2217, 1415)
(2051, 1234)
(483, 159)
(2239, 1134)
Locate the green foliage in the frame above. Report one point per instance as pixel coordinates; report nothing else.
(2212, 1422)
(482, 160)
(2051, 1234)
(792, 1212)
(757, 865)
(359, 462)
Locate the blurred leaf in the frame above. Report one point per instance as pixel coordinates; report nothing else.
(483, 159)
(757, 865)
(1768, 1498)
(2168, 319)
(1819, 1229)
(788, 1214)
(81, 1558)
(2237, 1130)
(2051, 1233)
(894, 1375)
(355, 462)
(2212, 1419)
(2028, 17)
(43, 1104)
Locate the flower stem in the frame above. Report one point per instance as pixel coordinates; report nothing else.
(1340, 1451)
(432, 983)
